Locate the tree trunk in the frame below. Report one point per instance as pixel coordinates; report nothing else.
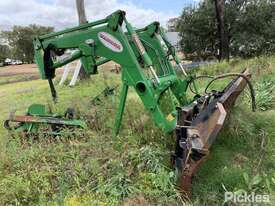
(223, 33)
(82, 20)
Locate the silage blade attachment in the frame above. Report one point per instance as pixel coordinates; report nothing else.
(198, 125)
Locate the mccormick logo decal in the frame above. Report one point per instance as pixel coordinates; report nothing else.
(110, 42)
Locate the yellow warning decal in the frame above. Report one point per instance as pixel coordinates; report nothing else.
(170, 117)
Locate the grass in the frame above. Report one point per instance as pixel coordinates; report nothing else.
(17, 78)
(133, 168)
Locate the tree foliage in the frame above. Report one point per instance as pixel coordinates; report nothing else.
(20, 39)
(4, 52)
(197, 28)
(250, 23)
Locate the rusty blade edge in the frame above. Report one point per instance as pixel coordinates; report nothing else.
(212, 126)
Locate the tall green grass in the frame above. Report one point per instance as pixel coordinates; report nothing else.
(95, 168)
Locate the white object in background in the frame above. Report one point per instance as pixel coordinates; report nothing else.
(65, 74)
(76, 73)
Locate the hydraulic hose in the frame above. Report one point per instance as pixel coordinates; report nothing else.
(214, 78)
(195, 78)
(252, 91)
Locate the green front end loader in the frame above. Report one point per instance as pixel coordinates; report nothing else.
(150, 65)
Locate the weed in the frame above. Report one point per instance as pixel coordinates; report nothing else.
(265, 94)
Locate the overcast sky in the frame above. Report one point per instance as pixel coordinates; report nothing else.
(62, 13)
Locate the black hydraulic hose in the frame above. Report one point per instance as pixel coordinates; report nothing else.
(204, 76)
(252, 91)
(195, 78)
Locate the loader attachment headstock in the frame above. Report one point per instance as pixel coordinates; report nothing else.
(199, 124)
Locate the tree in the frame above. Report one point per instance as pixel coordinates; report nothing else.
(223, 33)
(250, 25)
(4, 52)
(197, 27)
(20, 39)
(253, 32)
(82, 20)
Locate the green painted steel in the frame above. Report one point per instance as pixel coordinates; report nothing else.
(145, 57)
(37, 116)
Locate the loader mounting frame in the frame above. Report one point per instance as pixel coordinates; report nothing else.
(36, 117)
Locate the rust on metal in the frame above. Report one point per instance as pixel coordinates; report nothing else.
(187, 175)
(198, 126)
(23, 118)
(231, 93)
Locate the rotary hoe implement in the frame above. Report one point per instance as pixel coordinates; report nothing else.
(150, 65)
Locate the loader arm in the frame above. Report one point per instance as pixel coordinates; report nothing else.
(104, 40)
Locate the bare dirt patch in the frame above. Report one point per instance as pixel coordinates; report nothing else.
(20, 73)
(27, 72)
(14, 70)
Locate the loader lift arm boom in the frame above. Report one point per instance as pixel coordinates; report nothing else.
(104, 40)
